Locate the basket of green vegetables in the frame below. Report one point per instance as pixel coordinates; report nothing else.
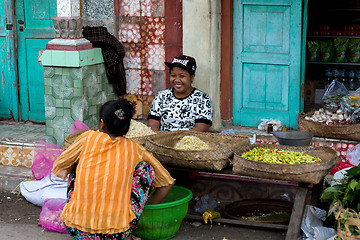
(344, 209)
(288, 163)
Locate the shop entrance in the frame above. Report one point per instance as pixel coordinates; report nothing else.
(267, 53)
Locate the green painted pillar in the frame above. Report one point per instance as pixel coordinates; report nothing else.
(75, 88)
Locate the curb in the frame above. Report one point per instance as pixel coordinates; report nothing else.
(11, 177)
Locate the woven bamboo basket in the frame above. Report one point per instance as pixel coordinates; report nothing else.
(222, 147)
(347, 218)
(71, 138)
(306, 173)
(347, 132)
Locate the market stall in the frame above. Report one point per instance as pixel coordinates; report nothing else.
(303, 176)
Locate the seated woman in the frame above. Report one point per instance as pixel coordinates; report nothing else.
(110, 178)
(181, 107)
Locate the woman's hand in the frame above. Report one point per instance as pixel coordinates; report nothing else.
(159, 194)
(154, 125)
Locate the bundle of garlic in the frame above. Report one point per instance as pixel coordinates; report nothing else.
(191, 143)
(329, 118)
(138, 129)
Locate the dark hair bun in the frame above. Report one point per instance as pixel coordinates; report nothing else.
(117, 115)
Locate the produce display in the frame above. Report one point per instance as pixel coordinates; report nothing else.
(329, 118)
(332, 101)
(350, 103)
(262, 154)
(191, 143)
(138, 129)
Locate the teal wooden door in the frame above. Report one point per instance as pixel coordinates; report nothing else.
(267, 61)
(8, 85)
(34, 30)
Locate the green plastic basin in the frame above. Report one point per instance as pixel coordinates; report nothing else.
(162, 221)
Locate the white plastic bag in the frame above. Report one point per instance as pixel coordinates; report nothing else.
(353, 155)
(312, 224)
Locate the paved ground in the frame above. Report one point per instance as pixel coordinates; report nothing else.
(19, 220)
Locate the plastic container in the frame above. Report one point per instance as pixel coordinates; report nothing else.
(162, 221)
(293, 138)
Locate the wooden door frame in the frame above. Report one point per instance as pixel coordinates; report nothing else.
(226, 84)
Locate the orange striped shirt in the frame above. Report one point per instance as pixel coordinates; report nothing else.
(101, 199)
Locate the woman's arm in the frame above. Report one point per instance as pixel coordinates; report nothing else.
(201, 127)
(154, 124)
(159, 194)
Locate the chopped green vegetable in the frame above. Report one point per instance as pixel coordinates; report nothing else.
(278, 156)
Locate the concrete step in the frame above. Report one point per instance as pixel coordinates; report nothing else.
(11, 177)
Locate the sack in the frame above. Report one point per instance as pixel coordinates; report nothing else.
(312, 224)
(45, 155)
(50, 215)
(37, 192)
(333, 95)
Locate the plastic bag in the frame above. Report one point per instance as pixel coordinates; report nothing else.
(333, 95)
(50, 215)
(45, 155)
(354, 50)
(353, 155)
(351, 102)
(77, 126)
(340, 165)
(205, 202)
(276, 124)
(37, 192)
(355, 116)
(313, 50)
(312, 224)
(327, 51)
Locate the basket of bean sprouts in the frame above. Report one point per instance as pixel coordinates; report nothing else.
(195, 150)
(138, 132)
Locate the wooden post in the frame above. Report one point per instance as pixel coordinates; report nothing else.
(297, 212)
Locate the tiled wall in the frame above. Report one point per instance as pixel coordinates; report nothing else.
(73, 94)
(151, 32)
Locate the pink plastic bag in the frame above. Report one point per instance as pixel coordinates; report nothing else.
(50, 215)
(353, 155)
(77, 126)
(45, 155)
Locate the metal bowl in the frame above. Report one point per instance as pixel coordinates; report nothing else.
(293, 138)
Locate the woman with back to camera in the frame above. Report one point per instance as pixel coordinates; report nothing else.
(110, 178)
(181, 107)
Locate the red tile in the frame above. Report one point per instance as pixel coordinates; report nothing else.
(133, 59)
(173, 31)
(152, 31)
(130, 8)
(129, 29)
(173, 8)
(146, 83)
(146, 104)
(152, 8)
(152, 82)
(136, 100)
(154, 57)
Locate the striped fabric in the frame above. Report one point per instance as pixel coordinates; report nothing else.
(101, 197)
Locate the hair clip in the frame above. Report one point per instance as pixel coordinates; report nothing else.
(120, 114)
